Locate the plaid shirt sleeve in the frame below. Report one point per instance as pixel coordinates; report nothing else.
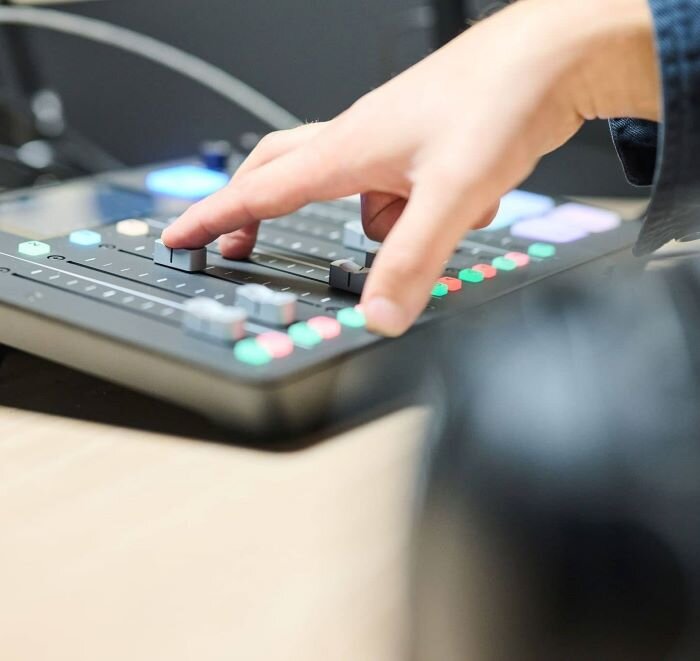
(667, 155)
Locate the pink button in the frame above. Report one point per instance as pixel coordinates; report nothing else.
(487, 270)
(548, 231)
(278, 344)
(590, 219)
(326, 327)
(453, 284)
(520, 258)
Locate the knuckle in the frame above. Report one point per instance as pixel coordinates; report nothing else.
(269, 141)
(249, 199)
(364, 104)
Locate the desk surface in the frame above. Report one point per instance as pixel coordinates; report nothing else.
(123, 544)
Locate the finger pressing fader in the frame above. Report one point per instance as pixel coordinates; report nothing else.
(348, 276)
(267, 306)
(209, 318)
(190, 261)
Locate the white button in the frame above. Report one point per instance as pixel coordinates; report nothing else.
(132, 227)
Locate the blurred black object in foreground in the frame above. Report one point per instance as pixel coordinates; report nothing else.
(562, 514)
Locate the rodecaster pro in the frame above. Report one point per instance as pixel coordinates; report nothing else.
(273, 345)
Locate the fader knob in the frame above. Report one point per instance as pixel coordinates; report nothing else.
(209, 318)
(267, 306)
(346, 275)
(182, 260)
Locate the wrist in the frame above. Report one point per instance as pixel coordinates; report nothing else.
(615, 70)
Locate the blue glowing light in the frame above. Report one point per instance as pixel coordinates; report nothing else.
(186, 181)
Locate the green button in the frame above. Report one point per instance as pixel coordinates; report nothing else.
(304, 336)
(470, 275)
(352, 318)
(440, 289)
(504, 264)
(34, 249)
(542, 250)
(251, 353)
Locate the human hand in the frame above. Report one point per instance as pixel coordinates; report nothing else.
(435, 149)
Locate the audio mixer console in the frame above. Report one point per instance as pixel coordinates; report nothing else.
(271, 346)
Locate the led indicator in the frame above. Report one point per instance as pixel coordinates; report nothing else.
(303, 335)
(504, 264)
(453, 284)
(352, 318)
(251, 353)
(521, 259)
(132, 227)
(487, 270)
(471, 276)
(85, 238)
(327, 327)
(34, 248)
(277, 344)
(542, 250)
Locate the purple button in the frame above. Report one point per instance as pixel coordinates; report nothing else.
(544, 229)
(586, 218)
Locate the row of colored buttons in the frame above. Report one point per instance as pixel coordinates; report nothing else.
(86, 238)
(261, 350)
(480, 272)
(78, 238)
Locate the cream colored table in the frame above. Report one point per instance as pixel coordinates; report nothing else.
(123, 545)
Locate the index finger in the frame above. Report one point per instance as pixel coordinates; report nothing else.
(311, 172)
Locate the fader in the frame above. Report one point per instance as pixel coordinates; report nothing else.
(190, 261)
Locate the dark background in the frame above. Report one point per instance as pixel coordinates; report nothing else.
(314, 57)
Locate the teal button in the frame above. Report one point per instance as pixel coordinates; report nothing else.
(440, 290)
(85, 238)
(248, 351)
(351, 318)
(304, 336)
(471, 276)
(34, 248)
(504, 264)
(542, 250)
